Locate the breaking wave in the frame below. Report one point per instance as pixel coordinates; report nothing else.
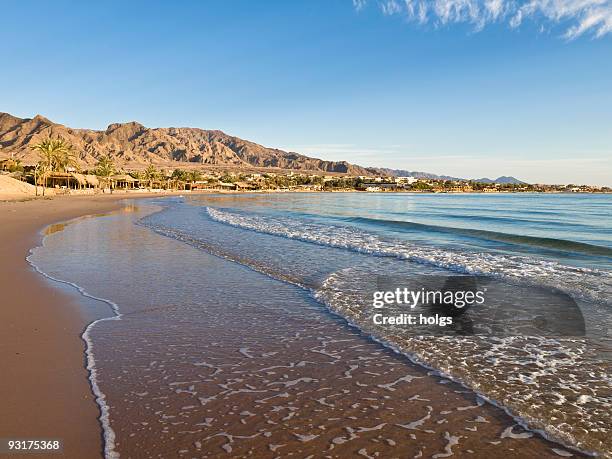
(587, 283)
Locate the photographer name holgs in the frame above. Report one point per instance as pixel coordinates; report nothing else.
(457, 299)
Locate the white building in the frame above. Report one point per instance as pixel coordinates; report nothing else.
(409, 180)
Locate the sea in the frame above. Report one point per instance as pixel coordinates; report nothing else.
(242, 325)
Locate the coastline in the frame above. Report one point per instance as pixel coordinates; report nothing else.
(356, 370)
(45, 388)
(53, 323)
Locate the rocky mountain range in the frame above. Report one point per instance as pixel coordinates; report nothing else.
(133, 145)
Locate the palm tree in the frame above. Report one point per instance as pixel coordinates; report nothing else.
(40, 172)
(106, 169)
(150, 174)
(50, 150)
(179, 177)
(194, 176)
(66, 159)
(15, 165)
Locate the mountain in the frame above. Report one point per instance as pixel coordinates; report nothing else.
(417, 174)
(133, 145)
(502, 180)
(426, 175)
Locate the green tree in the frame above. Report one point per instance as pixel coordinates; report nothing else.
(420, 186)
(15, 165)
(105, 169)
(66, 159)
(40, 173)
(150, 174)
(51, 152)
(179, 174)
(179, 177)
(194, 176)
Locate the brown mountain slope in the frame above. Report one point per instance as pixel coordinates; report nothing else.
(133, 145)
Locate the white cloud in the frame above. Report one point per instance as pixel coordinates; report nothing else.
(359, 4)
(576, 17)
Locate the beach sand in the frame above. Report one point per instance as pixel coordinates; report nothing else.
(44, 388)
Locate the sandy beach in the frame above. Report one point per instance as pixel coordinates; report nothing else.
(44, 387)
(285, 378)
(317, 230)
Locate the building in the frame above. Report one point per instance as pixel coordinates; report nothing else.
(378, 186)
(245, 186)
(408, 180)
(124, 181)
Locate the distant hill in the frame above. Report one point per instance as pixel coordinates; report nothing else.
(132, 144)
(503, 180)
(404, 173)
(417, 174)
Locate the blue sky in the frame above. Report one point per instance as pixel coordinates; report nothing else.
(469, 88)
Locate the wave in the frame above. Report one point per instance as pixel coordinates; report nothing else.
(588, 283)
(533, 379)
(479, 363)
(535, 241)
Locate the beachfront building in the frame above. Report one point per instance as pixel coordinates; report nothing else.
(124, 182)
(377, 186)
(227, 185)
(66, 180)
(200, 185)
(407, 180)
(245, 186)
(92, 181)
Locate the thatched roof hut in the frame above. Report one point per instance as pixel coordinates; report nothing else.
(123, 178)
(62, 179)
(80, 178)
(124, 181)
(92, 180)
(245, 186)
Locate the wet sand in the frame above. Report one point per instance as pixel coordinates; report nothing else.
(262, 379)
(227, 362)
(44, 390)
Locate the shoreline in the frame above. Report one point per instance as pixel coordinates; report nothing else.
(43, 349)
(447, 396)
(12, 198)
(82, 439)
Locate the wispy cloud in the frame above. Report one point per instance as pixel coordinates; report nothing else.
(577, 17)
(359, 4)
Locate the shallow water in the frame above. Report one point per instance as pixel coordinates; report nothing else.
(235, 354)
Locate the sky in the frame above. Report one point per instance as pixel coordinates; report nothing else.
(468, 88)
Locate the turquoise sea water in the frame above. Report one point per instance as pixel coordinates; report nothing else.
(576, 229)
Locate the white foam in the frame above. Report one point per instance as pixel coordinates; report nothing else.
(514, 269)
(508, 433)
(100, 397)
(592, 284)
(448, 448)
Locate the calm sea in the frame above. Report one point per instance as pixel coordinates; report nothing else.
(260, 273)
